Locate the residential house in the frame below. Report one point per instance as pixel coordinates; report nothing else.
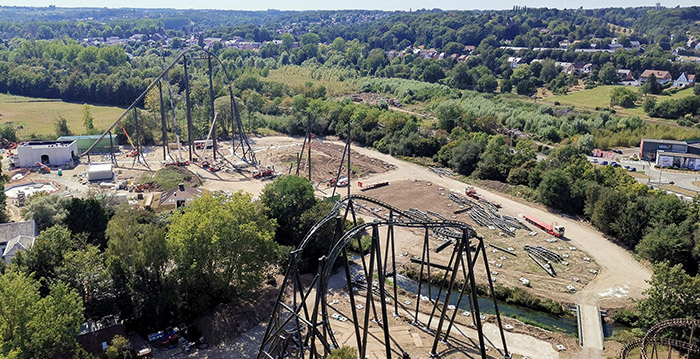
(469, 48)
(566, 67)
(634, 44)
(15, 237)
(625, 75)
(662, 77)
(514, 62)
(614, 47)
(684, 80)
(179, 196)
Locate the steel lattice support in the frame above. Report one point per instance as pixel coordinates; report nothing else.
(240, 146)
(301, 327)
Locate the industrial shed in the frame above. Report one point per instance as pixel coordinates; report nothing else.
(49, 153)
(100, 172)
(84, 142)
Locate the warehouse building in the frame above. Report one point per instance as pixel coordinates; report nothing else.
(84, 142)
(49, 153)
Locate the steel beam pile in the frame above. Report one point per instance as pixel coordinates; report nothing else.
(542, 256)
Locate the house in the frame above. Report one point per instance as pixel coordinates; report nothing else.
(514, 62)
(469, 48)
(566, 67)
(179, 196)
(614, 47)
(634, 44)
(95, 336)
(662, 77)
(684, 80)
(15, 237)
(625, 75)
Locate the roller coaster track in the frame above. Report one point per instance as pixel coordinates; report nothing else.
(301, 327)
(652, 339)
(247, 154)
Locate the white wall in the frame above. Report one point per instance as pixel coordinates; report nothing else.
(58, 155)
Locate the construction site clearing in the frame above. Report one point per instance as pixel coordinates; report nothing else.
(520, 254)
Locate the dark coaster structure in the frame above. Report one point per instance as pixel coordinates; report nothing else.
(301, 327)
(240, 146)
(664, 336)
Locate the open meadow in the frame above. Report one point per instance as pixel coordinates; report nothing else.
(38, 115)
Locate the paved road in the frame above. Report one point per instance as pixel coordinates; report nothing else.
(659, 177)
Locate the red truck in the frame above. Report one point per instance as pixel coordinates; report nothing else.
(555, 230)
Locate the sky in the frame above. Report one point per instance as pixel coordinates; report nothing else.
(355, 4)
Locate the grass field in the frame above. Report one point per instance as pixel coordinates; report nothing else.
(297, 76)
(37, 115)
(600, 97)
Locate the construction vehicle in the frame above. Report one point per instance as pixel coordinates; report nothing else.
(42, 167)
(177, 164)
(10, 146)
(368, 186)
(341, 182)
(264, 172)
(554, 230)
(471, 192)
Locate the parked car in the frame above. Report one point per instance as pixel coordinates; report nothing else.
(595, 160)
(614, 164)
(632, 169)
(604, 163)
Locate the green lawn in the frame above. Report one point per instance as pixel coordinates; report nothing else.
(38, 115)
(600, 97)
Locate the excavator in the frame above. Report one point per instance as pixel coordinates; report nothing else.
(10, 146)
(42, 167)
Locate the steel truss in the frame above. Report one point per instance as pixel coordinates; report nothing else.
(649, 345)
(240, 145)
(300, 325)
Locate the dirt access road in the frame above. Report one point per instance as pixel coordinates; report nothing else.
(620, 278)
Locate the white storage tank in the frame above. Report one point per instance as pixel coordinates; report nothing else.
(100, 172)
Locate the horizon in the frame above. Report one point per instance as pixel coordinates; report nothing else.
(281, 5)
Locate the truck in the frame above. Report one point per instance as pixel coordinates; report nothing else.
(554, 230)
(342, 182)
(368, 186)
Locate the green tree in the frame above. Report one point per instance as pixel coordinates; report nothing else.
(622, 96)
(652, 86)
(287, 198)
(453, 48)
(137, 258)
(119, 348)
(465, 157)
(487, 83)
(61, 127)
(669, 243)
(461, 76)
(375, 61)
(495, 161)
(449, 114)
(220, 248)
(432, 73)
(672, 294)
(554, 190)
(84, 270)
(696, 89)
(45, 210)
(506, 86)
(32, 326)
(549, 71)
(608, 74)
(88, 120)
(87, 216)
(344, 352)
(45, 258)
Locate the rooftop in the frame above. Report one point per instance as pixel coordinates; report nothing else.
(668, 142)
(9, 231)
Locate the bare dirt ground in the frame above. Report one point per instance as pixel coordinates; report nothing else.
(429, 197)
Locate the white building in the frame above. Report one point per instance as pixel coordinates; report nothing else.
(49, 153)
(100, 172)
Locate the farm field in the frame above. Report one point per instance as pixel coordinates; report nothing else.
(38, 115)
